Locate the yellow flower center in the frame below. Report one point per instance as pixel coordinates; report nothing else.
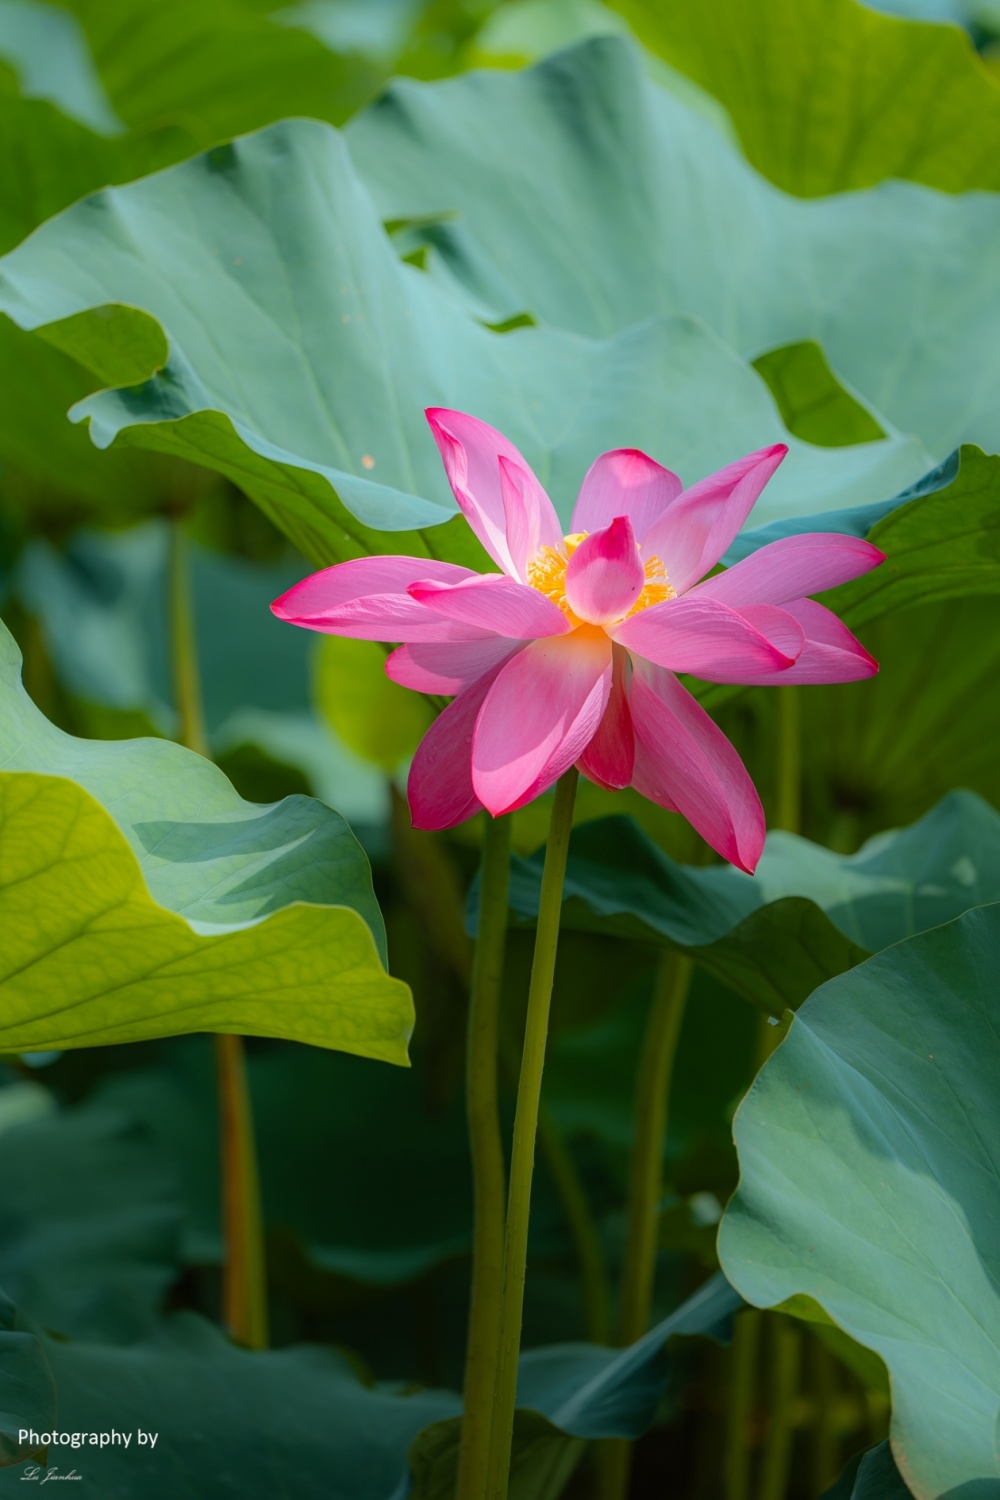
(547, 574)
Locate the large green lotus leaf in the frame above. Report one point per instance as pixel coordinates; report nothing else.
(181, 907)
(868, 1152)
(80, 924)
(302, 353)
(91, 1221)
(638, 206)
(827, 95)
(806, 915)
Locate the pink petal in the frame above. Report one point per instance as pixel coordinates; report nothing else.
(609, 759)
(492, 601)
(521, 514)
(447, 667)
(700, 524)
(711, 640)
(624, 482)
(830, 652)
(605, 576)
(541, 711)
(367, 598)
(684, 762)
(471, 451)
(792, 567)
(439, 788)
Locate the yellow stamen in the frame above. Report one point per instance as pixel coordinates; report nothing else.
(547, 574)
(658, 586)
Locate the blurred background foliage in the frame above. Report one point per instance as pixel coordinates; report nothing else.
(365, 1171)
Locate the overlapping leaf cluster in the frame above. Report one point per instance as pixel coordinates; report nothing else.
(724, 227)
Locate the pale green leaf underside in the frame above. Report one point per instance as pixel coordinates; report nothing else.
(89, 958)
(302, 354)
(805, 916)
(638, 207)
(869, 1182)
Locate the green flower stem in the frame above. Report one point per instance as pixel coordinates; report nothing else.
(244, 1281)
(432, 889)
(659, 1048)
(525, 1129)
(488, 1172)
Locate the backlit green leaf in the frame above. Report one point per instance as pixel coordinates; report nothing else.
(151, 900)
(826, 95)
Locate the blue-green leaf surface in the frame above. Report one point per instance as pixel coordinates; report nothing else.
(638, 206)
(869, 1185)
(302, 353)
(807, 914)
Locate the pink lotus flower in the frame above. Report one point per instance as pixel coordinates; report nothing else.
(569, 654)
